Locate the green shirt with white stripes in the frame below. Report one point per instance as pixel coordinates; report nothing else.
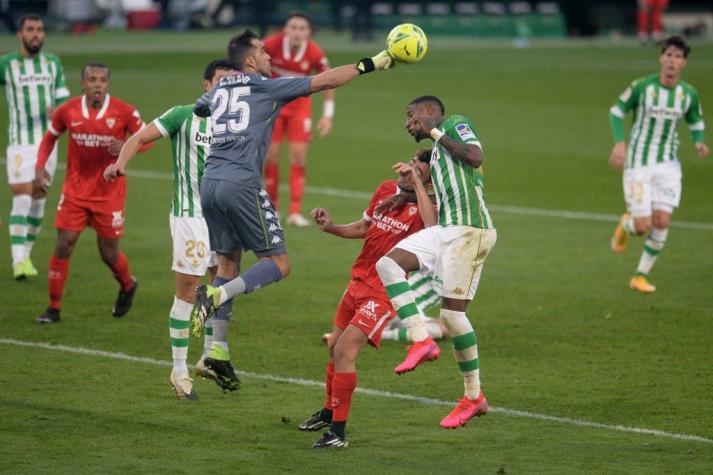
(657, 112)
(31, 86)
(190, 144)
(459, 187)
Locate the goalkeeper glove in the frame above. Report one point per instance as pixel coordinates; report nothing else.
(381, 61)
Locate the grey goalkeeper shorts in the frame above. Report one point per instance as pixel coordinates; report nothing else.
(241, 218)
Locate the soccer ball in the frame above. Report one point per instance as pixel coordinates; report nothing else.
(407, 43)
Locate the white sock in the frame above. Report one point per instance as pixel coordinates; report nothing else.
(652, 247)
(179, 329)
(18, 226)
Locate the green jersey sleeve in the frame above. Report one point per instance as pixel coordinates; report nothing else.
(3, 64)
(171, 121)
(61, 93)
(461, 129)
(626, 101)
(694, 117)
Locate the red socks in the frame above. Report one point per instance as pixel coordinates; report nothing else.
(272, 181)
(120, 268)
(297, 187)
(56, 276)
(343, 385)
(328, 385)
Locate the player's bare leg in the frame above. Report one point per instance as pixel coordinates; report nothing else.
(119, 265)
(323, 417)
(392, 270)
(297, 152)
(272, 174)
(57, 274)
(347, 347)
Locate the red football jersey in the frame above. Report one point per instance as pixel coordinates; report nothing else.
(307, 60)
(90, 132)
(385, 230)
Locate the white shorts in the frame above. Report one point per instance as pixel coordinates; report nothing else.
(191, 246)
(656, 187)
(454, 254)
(21, 161)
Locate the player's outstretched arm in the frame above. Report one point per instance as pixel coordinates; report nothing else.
(355, 230)
(136, 143)
(341, 75)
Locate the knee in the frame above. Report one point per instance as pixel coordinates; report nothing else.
(642, 226)
(342, 353)
(64, 247)
(283, 263)
(109, 256)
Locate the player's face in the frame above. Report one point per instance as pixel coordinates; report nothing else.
(95, 84)
(262, 58)
(219, 73)
(672, 61)
(297, 31)
(413, 124)
(32, 36)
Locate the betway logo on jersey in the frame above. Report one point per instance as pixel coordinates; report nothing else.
(202, 139)
(34, 79)
(664, 112)
(387, 223)
(91, 140)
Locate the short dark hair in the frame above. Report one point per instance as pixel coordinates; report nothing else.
(240, 47)
(31, 16)
(677, 42)
(424, 155)
(429, 99)
(299, 14)
(213, 66)
(95, 64)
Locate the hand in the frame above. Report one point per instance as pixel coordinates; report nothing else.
(322, 218)
(42, 181)
(115, 146)
(408, 171)
(392, 203)
(324, 126)
(383, 61)
(618, 156)
(113, 171)
(702, 150)
(50, 112)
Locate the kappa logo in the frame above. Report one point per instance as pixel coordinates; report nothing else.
(276, 240)
(273, 227)
(269, 215)
(263, 193)
(266, 204)
(457, 291)
(110, 122)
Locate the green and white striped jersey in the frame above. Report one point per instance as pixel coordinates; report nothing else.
(31, 85)
(190, 139)
(657, 111)
(458, 186)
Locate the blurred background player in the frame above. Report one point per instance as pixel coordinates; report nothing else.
(652, 172)
(34, 85)
(649, 20)
(365, 309)
(190, 144)
(97, 124)
(238, 211)
(293, 53)
(454, 250)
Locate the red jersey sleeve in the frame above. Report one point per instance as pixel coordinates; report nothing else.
(58, 124)
(134, 123)
(318, 59)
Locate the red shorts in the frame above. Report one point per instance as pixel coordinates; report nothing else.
(297, 121)
(106, 217)
(368, 310)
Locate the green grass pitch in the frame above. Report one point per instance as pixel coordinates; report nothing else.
(560, 334)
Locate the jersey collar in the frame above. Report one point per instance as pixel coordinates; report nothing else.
(102, 111)
(286, 50)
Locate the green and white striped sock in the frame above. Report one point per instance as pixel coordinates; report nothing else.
(18, 227)
(34, 222)
(394, 279)
(465, 349)
(179, 325)
(652, 248)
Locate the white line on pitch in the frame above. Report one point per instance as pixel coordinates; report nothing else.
(521, 210)
(371, 392)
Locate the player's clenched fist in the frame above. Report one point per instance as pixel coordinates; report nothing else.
(322, 218)
(113, 171)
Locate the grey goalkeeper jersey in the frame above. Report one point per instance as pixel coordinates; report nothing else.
(243, 109)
